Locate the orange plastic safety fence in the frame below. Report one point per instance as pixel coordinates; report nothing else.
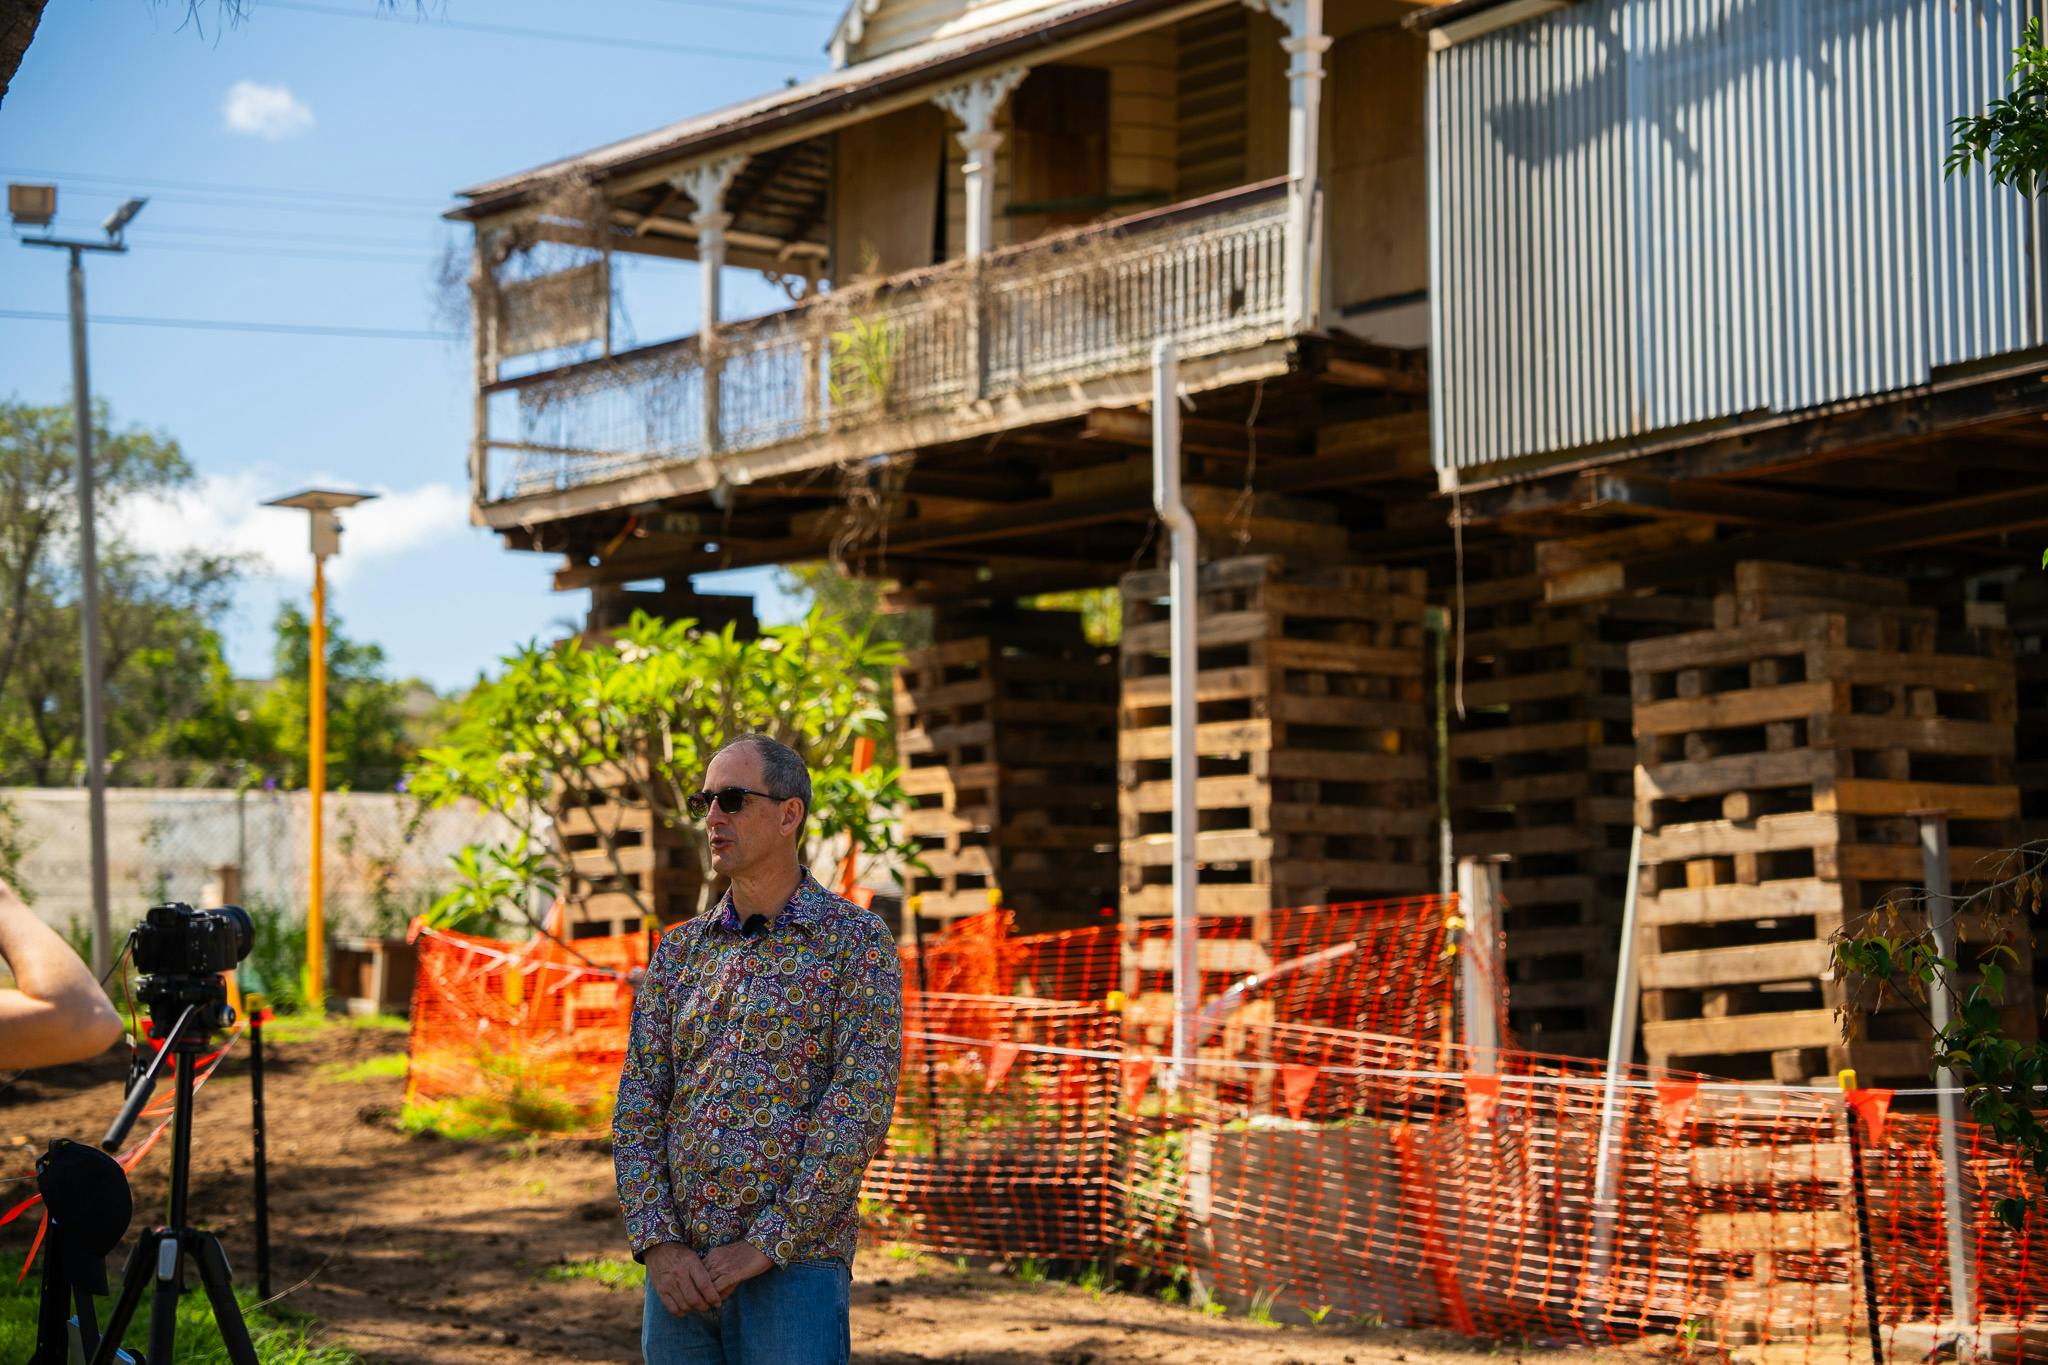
(1310, 1164)
(536, 1029)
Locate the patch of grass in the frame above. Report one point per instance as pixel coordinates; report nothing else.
(1316, 1315)
(902, 1251)
(282, 1338)
(1261, 1309)
(494, 1118)
(608, 1271)
(390, 1066)
(1030, 1271)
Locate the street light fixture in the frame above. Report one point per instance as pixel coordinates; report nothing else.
(36, 206)
(320, 504)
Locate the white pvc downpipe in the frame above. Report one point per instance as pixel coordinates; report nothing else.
(1180, 529)
(1621, 1050)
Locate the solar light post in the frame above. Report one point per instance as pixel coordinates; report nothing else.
(36, 206)
(321, 504)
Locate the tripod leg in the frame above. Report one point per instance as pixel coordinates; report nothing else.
(163, 1308)
(53, 1342)
(134, 1279)
(220, 1288)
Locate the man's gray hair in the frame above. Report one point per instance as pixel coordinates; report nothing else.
(783, 770)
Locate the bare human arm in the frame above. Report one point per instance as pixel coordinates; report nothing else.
(59, 1013)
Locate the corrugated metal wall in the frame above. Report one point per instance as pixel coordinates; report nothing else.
(1650, 213)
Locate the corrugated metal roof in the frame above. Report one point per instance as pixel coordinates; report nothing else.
(831, 92)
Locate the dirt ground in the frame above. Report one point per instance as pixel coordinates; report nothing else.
(419, 1249)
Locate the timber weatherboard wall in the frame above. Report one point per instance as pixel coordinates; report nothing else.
(1646, 214)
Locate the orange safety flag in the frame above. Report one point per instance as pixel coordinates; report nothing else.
(1297, 1080)
(1873, 1107)
(1137, 1075)
(1482, 1095)
(1000, 1058)
(1674, 1104)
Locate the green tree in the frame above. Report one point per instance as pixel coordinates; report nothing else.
(368, 746)
(159, 646)
(637, 719)
(2011, 137)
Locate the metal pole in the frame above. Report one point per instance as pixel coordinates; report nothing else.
(259, 1148)
(316, 787)
(1478, 905)
(1941, 916)
(89, 631)
(1181, 587)
(1865, 1255)
(1621, 1040)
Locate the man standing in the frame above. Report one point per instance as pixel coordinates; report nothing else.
(759, 1082)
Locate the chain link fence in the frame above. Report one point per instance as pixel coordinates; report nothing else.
(386, 860)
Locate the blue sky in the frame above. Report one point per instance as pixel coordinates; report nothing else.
(296, 166)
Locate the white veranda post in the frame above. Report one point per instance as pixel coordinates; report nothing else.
(706, 183)
(1306, 42)
(976, 103)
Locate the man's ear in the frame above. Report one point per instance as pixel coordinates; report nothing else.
(792, 823)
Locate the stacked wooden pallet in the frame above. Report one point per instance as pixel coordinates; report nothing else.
(1542, 776)
(625, 862)
(1311, 738)
(1784, 756)
(1006, 728)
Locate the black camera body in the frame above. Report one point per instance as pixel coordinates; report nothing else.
(181, 953)
(176, 940)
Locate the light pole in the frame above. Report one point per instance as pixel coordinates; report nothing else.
(321, 504)
(35, 206)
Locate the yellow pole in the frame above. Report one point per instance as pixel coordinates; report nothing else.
(316, 783)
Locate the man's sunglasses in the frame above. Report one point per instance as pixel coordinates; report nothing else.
(729, 800)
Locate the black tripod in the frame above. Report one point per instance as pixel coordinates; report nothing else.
(160, 1252)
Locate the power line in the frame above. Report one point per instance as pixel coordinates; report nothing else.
(547, 34)
(226, 325)
(140, 182)
(146, 233)
(738, 7)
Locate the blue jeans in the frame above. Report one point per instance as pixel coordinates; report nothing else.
(795, 1315)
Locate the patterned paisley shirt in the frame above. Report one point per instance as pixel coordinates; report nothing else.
(760, 1080)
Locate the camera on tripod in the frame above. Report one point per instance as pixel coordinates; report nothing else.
(182, 953)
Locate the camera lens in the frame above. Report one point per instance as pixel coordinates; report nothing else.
(245, 929)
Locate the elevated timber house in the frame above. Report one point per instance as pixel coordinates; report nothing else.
(1600, 418)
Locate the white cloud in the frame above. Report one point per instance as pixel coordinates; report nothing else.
(223, 513)
(271, 112)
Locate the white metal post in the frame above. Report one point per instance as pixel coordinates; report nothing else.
(1181, 606)
(1941, 917)
(1479, 907)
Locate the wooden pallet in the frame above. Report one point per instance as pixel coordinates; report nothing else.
(1310, 736)
(654, 859)
(1542, 774)
(1006, 733)
(1782, 757)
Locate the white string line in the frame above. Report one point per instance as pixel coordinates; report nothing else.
(1392, 1073)
(526, 965)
